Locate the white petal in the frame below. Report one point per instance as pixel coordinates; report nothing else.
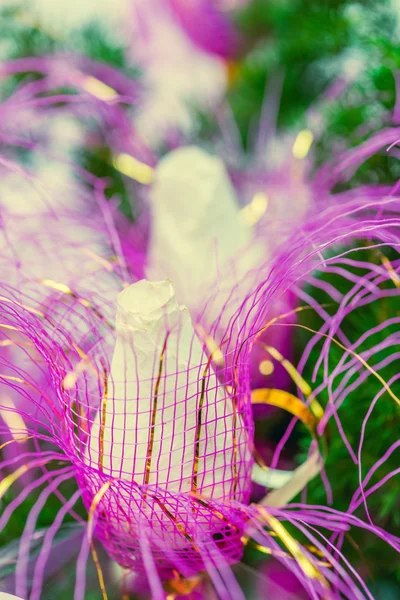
(153, 405)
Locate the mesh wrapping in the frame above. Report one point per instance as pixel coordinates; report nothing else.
(160, 441)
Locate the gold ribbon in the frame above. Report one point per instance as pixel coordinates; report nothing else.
(290, 403)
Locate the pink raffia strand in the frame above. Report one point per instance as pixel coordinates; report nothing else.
(81, 408)
(217, 34)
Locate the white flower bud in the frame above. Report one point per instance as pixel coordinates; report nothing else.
(167, 420)
(198, 238)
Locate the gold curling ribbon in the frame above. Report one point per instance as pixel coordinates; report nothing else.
(103, 417)
(99, 89)
(298, 379)
(247, 541)
(65, 289)
(198, 427)
(95, 502)
(290, 403)
(99, 571)
(8, 481)
(133, 168)
(302, 144)
(293, 546)
(390, 269)
(310, 417)
(154, 415)
(19, 439)
(24, 306)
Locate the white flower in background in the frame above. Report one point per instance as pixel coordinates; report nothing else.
(60, 18)
(176, 72)
(199, 236)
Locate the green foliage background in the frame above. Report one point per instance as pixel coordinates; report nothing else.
(306, 42)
